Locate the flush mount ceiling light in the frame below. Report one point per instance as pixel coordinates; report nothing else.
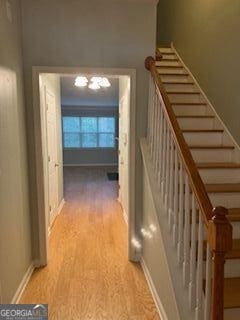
(96, 82)
(94, 86)
(96, 79)
(81, 81)
(104, 83)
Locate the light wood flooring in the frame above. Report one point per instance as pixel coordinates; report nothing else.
(88, 276)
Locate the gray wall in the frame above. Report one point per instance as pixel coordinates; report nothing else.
(118, 34)
(206, 34)
(15, 240)
(95, 156)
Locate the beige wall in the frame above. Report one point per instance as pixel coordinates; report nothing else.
(15, 242)
(206, 34)
(117, 34)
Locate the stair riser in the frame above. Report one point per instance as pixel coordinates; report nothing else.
(165, 70)
(185, 110)
(232, 269)
(228, 199)
(204, 139)
(175, 78)
(220, 175)
(198, 124)
(163, 63)
(212, 155)
(189, 98)
(168, 56)
(180, 87)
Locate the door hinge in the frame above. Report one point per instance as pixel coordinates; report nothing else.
(50, 208)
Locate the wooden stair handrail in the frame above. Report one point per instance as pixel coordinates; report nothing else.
(219, 229)
(197, 184)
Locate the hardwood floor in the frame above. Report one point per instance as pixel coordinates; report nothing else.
(89, 275)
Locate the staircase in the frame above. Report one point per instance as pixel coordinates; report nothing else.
(217, 159)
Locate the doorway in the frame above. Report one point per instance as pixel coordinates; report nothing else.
(48, 130)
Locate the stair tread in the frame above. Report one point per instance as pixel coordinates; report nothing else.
(203, 130)
(231, 293)
(210, 147)
(218, 165)
(222, 187)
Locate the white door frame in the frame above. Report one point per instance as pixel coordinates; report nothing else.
(42, 230)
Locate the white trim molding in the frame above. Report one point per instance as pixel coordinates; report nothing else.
(56, 213)
(91, 165)
(23, 284)
(40, 157)
(157, 301)
(125, 216)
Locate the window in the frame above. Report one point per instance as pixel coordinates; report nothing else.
(89, 132)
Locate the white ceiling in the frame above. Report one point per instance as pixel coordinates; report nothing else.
(75, 96)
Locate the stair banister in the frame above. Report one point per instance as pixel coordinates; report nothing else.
(185, 189)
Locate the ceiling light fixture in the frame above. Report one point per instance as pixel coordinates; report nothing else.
(81, 81)
(104, 83)
(96, 79)
(94, 86)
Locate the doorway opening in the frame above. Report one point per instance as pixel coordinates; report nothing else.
(83, 129)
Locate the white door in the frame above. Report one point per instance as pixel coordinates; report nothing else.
(124, 107)
(52, 155)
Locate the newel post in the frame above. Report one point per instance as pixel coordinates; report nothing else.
(220, 241)
(149, 61)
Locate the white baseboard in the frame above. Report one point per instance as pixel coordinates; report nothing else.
(23, 284)
(153, 290)
(92, 165)
(56, 213)
(125, 216)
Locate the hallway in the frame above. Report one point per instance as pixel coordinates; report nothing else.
(88, 275)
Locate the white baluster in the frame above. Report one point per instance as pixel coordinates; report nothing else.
(186, 232)
(152, 117)
(153, 126)
(157, 134)
(160, 144)
(171, 183)
(180, 215)
(176, 197)
(199, 287)
(166, 185)
(207, 305)
(163, 162)
(193, 255)
(149, 112)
